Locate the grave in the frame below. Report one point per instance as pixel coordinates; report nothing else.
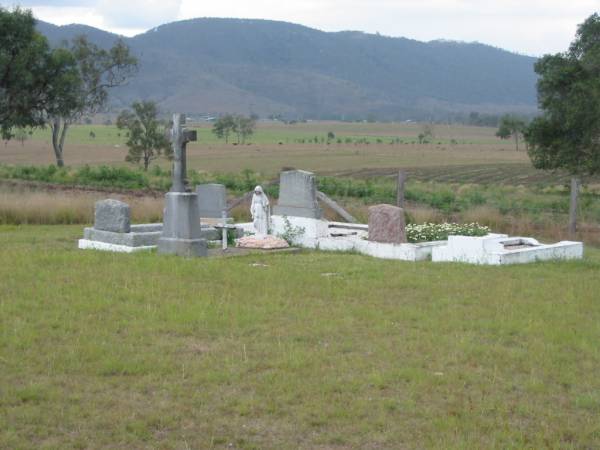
(298, 210)
(500, 249)
(345, 237)
(182, 232)
(112, 230)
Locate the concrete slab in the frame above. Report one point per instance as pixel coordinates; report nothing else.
(497, 249)
(85, 244)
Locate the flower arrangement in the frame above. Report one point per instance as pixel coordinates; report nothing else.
(440, 231)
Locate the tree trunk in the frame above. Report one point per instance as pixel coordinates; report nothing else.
(59, 133)
(573, 206)
(517, 140)
(400, 188)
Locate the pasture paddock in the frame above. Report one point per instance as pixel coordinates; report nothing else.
(277, 145)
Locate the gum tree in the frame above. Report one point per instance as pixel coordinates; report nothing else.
(34, 80)
(567, 135)
(146, 134)
(224, 126)
(98, 71)
(511, 126)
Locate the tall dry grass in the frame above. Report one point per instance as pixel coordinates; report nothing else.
(23, 206)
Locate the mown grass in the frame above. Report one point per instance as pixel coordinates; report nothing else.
(309, 350)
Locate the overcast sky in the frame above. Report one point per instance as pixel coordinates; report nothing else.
(532, 27)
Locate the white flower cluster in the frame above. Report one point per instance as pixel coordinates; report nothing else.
(440, 231)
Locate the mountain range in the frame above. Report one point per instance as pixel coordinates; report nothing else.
(214, 66)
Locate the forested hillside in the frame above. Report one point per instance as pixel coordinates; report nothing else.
(276, 68)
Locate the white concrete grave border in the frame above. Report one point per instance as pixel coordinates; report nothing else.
(492, 250)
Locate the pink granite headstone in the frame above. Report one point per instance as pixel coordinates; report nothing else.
(386, 224)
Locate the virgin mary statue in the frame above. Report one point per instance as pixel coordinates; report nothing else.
(260, 210)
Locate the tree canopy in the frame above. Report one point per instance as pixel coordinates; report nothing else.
(40, 85)
(511, 126)
(146, 134)
(567, 134)
(98, 70)
(34, 80)
(242, 126)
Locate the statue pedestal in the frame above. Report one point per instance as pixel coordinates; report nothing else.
(181, 233)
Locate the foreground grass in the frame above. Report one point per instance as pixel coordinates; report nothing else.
(310, 350)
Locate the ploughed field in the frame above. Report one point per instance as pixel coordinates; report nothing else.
(307, 350)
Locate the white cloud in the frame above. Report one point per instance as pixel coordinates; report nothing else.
(138, 13)
(531, 27)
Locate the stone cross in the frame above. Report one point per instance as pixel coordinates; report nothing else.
(180, 136)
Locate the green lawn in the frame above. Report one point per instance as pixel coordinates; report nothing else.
(283, 351)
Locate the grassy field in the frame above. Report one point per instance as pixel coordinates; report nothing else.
(277, 145)
(309, 351)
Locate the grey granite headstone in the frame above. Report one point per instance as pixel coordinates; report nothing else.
(181, 233)
(298, 195)
(112, 215)
(212, 200)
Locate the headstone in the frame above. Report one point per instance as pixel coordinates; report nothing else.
(298, 195)
(113, 231)
(386, 224)
(212, 200)
(181, 234)
(112, 215)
